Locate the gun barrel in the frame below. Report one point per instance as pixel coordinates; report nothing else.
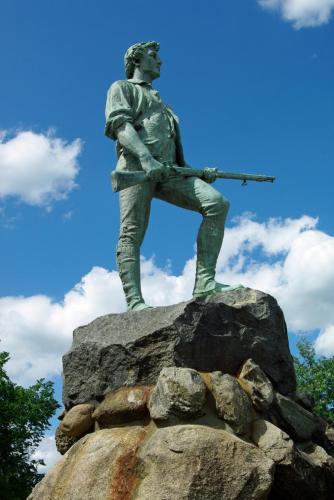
(225, 175)
(245, 177)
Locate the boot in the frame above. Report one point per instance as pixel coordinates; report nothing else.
(209, 241)
(128, 263)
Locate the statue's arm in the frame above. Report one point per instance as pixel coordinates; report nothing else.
(120, 111)
(129, 139)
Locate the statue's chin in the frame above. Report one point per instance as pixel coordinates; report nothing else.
(155, 75)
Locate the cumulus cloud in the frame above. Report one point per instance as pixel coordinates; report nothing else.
(37, 169)
(289, 259)
(293, 265)
(37, 331)
(301, 13)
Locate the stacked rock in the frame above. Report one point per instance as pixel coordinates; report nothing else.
(188, 432)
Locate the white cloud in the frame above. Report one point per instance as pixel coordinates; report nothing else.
(325, 342)
(289, 259)
(38, 169)
(37, 331)
(46, 451)
(294, 267)
(301, 13)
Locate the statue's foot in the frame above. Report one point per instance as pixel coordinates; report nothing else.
(139, 306)
(219, 288)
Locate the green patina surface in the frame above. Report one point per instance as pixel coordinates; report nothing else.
(148, 139)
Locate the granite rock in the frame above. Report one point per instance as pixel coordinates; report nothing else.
(190, 356)
(316, 454)
(232, 403)
(179, 391)
(304, 400)
(299, 423)
(78, 420)
(214, 334)
(303, 471)
(63, 441)
(123, 405)
(257, 385)
(100, 466)
(198, 462)
(274, 442)
(184, 462)
(307, 474)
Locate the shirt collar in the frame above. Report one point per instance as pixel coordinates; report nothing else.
(139, 82)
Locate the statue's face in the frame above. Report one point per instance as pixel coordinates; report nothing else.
(150, 63)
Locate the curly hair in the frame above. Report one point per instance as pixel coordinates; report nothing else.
(134, 54)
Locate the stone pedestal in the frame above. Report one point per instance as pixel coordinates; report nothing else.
(215, 334)
(188, 402)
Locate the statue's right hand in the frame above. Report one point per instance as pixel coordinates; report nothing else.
(155, 170)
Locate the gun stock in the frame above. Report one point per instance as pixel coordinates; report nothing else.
(122, 180)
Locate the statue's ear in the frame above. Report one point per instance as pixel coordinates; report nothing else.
(136, 61)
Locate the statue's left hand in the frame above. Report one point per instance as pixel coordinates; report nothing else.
(209, 175)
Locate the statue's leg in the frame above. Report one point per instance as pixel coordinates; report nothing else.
(195, 194)
(134, 211)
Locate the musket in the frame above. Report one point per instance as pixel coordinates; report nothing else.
(122, 179)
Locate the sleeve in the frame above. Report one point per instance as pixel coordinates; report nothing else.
(118, 108)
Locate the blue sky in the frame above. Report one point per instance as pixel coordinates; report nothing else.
(253, 85)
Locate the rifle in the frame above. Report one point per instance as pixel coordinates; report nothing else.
(122, 179)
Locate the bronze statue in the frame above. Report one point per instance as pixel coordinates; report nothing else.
(148, 140)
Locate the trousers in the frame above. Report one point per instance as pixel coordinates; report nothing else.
(191, 193)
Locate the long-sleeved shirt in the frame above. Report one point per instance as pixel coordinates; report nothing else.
(135, 101)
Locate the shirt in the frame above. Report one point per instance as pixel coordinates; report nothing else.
(136, 102)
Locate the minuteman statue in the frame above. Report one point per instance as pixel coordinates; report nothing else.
(148, 138)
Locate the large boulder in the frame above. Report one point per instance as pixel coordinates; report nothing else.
(214, 334)
(193, 462)
(101, 466)
(184, 462)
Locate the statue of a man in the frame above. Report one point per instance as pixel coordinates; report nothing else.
(148, 138)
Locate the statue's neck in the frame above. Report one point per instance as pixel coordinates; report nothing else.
(138, 74)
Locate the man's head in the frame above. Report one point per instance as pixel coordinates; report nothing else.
(145, 55)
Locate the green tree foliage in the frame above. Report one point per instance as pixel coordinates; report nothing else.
(24, 417)
(315, 376)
